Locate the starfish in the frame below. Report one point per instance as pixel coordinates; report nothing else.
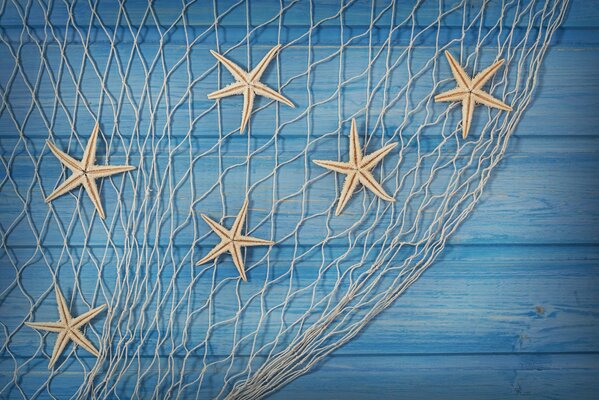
(358, 169)
(68, 328)
(232, 240)
(248, 84)
(85, 172)
(469, 91)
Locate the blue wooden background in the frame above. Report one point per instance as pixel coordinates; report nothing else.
(511, 309)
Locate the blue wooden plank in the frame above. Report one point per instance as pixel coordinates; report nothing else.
(545, 116)
(538, 185)
(450, 377)
(197, 37)
(415, 377)
(475, 299)
(356, 13)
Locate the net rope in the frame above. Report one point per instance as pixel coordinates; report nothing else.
(176, 330)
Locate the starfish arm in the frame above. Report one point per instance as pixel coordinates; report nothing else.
(488, 100)
(86, 317)
(77, 337)
(355, 152)
(238, 260)
(64, 158)
(262, 90)
(71, 183)
(92, 191)
(229, 90)
(371, 160)
(247, 241)
(248, 105)
(89, 155)
(47, 326)
(240, 219)
(467, 112)
(61, 342)
(458, 72)
(63, 309)
(220, 230)
(257, 72)
(101, 171)
(219, 249)
(368, 180)
(349, 186)
(482, 77)
(456, 94)
(337, 166)
(238, 73)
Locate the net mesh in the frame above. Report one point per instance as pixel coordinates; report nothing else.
(174, 330)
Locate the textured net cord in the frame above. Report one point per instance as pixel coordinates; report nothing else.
(176, 330)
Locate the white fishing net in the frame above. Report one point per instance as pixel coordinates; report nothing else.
(143, 70)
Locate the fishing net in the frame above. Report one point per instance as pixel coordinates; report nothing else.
(143, 70)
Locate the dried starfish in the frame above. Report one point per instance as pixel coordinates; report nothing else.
(469, 91)
(232, 240)
(68, 328)
(85, 172)
(248, 84)
(358, 169)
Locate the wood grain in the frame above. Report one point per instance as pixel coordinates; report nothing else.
(510, 309)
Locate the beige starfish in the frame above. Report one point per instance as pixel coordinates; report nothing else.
(232, 240)
(358, 169)
(68, 328)
(85, 172)
(248, 84)
(469, 91)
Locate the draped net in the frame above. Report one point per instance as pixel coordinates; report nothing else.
(143, 70)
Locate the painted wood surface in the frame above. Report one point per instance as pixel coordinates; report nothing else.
(510, 309)
(516, 358)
